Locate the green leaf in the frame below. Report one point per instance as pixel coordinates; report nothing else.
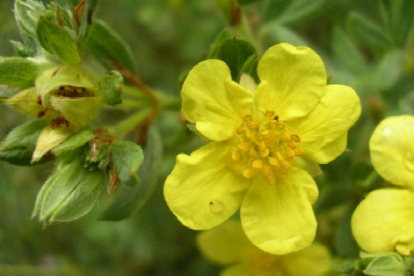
(27, 14)
(17, 71)
(127, 199)
(126, 158)
(108, 47)
(277, 33)
(347, 53)
(387, 265)
(23, 50)
(388, 71)
(75, 141)
(401, 20)
(69, 193)
(20, 143)
(235, 52)
(222, 36)
(367, 32)
(302, 10)
(56, 40)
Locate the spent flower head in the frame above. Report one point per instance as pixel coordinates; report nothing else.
(262, 140)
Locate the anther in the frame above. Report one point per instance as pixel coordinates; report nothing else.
(264, 152)
(298, 151)
(240, 130)
(257, 164)
(271, 179)
(291, 144)
(273, 161)
(243, 146)
(284, 136)
(295, 138)
(280, 125)
(289, 153)
(266, 170)
(247, 118)
(237, 155)
(253, 125)
(248, 172)
(270, 114)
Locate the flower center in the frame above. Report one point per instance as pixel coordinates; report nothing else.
(265, 147)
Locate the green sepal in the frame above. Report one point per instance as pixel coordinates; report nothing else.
(128, 200)
(221, 37)
(235, 52)
(111, 86)
(27, 102)
(56, 40)
(108, 47)
(17, 71)
(99, 154)
(126, 158)
(78, 111)
(18, 147)
(69, 193)
(75, 141)
(391, 264)
(52, 79)
(50, 137)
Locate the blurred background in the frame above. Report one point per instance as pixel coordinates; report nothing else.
(366, 44)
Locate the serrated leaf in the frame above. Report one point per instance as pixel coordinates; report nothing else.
(129, 199)
(56, 40)
(347, 53)
(107, 46)
(17, 148)
(69, 193)
(126, 158)
(301, 10)
(367, 32)
(235, 53)
(17, 71)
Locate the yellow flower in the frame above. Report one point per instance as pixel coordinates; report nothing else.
(259, 142)
(384, 220)
(228, 245)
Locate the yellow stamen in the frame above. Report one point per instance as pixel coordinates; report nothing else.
(291, 144)
(237, 155)
(257, 164)
(273, 161)
(247, 118)
(248, 172)
(270, 114)
(289, 153)
(298, 151)
(295, 138)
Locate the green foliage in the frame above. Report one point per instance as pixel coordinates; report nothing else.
(56, 40)
(18, 72)
(130, 199)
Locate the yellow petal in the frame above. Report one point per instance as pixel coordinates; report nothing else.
(293, 80)
(213, 101)
(323, 131)
(383, 221)
(279, 219)
(224, 244)
(314, 260)
(236, 270)
(201, 191)
(392, 150)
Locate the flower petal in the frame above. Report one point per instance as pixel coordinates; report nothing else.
(314, 260)
(279, 219)
(236, 270)
(214, 102)
(293, 80)
(392, 150)
(323, 131)
(224, 244)
(383, 221)
(201, 191)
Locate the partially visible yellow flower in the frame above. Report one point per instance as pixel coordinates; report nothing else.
(228, 245)
(384, 220)
(262, 139)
